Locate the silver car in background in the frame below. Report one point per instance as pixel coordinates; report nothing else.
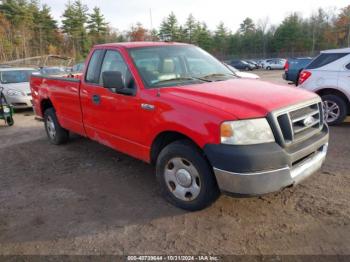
(274, 64)
(15, 82)
(328, 75)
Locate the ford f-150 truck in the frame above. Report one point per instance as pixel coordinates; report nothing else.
(177, 107)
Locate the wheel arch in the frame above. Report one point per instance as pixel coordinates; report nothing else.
(45, 104)
(333, 91)
(165, 138)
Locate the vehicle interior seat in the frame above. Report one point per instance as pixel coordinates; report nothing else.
(168, 70)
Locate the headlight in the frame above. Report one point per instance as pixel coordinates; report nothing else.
(6, 110)
(246, 132)
(13, 92)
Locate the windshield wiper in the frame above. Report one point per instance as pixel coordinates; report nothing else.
(213, 75)
(179, 79)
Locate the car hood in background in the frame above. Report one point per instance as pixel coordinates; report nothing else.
(23, 87)
(247, 75)
(242, 98)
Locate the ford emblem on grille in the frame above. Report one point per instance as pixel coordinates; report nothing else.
(309, 121)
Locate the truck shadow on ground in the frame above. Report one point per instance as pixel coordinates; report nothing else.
(82, 188)
(49, 192)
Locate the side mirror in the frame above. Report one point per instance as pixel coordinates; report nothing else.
(113, 80)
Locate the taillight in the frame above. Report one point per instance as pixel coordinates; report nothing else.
(304, 75)
(286, 66)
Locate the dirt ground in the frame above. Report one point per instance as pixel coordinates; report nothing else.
(84, 198)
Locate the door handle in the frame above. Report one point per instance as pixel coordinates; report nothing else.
(147, 107)
(96, 99)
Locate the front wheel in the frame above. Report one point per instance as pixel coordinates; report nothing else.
(185, 177)
(335, 109)
(268, 68)
(57, 135)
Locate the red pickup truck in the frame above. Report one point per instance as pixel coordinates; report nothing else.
(175, 106)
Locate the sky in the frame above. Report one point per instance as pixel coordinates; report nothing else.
(121, 14)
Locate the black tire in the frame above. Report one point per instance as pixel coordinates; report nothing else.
(341, 105)
(268, 68)
(61, 135)
(208, 189)
(246, 68)
(10, 121)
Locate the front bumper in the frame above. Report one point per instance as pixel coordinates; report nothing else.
(19, 102)
(265, 168)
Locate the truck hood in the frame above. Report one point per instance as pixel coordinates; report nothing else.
(243, 98)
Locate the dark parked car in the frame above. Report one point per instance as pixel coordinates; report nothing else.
(242, 65)
(293, 68)
(253, 63)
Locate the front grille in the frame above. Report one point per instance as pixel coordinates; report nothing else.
(19, 104)
(298, 123)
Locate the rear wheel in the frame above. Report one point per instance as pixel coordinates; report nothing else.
(268, 68)
(57, 135)
(185, 177)
(335, 109)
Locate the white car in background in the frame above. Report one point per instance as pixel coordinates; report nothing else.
(272, 64)
(242, 74)
(328, 75)
(15, 82)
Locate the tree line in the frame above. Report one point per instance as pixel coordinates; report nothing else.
(29, 29)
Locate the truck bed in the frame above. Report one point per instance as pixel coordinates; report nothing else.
(63, 93)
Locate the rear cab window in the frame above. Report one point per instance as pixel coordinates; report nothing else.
(94, 67)
(325, 59)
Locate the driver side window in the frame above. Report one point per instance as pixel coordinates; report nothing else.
(113, 61)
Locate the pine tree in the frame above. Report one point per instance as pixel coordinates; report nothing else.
(221, 40)
(202, 36)
(289, 35)
(247, 26)
(189, 28)
(46, 31)
(97, 26)
(74, 25)
(169, 28)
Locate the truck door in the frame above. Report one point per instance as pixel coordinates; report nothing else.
(111, 118)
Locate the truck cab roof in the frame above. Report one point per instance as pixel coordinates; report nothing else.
(139, 44)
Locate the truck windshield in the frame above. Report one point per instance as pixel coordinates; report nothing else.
(15, 76)
(177, 65)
